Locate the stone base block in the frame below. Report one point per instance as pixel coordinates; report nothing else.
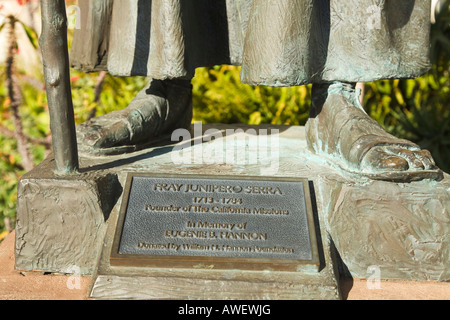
(61, 221)
(400, 230)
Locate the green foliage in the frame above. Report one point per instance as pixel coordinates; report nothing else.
(31, 34)
(36, 125)
(219, 96)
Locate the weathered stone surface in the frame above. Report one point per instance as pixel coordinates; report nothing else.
(61, 221)
(116, 287)
(401, 228)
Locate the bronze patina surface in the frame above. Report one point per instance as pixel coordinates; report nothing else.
(245, 223)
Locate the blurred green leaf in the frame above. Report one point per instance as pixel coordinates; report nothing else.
(31, 34)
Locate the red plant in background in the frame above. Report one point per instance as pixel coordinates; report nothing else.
(22, 2)
(9, 26)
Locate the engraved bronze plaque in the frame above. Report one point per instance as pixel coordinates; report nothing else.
(220, 222)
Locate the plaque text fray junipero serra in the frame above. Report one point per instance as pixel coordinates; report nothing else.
(216, 222)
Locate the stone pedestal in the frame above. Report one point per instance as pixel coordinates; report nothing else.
(398, 230)
(61, 221)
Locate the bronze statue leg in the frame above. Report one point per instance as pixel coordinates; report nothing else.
(158, 109)
(340, 130)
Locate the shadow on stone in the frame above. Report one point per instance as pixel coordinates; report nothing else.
(317, 225)
(345, 277)
(110, 190)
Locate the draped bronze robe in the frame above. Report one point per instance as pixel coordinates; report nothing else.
(277, 42)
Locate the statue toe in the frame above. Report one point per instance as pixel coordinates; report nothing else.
(379, 159)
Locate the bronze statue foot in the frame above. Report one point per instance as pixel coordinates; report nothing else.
(158, 109)
(340, 130)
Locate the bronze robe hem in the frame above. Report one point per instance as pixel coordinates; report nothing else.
(277, 42)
